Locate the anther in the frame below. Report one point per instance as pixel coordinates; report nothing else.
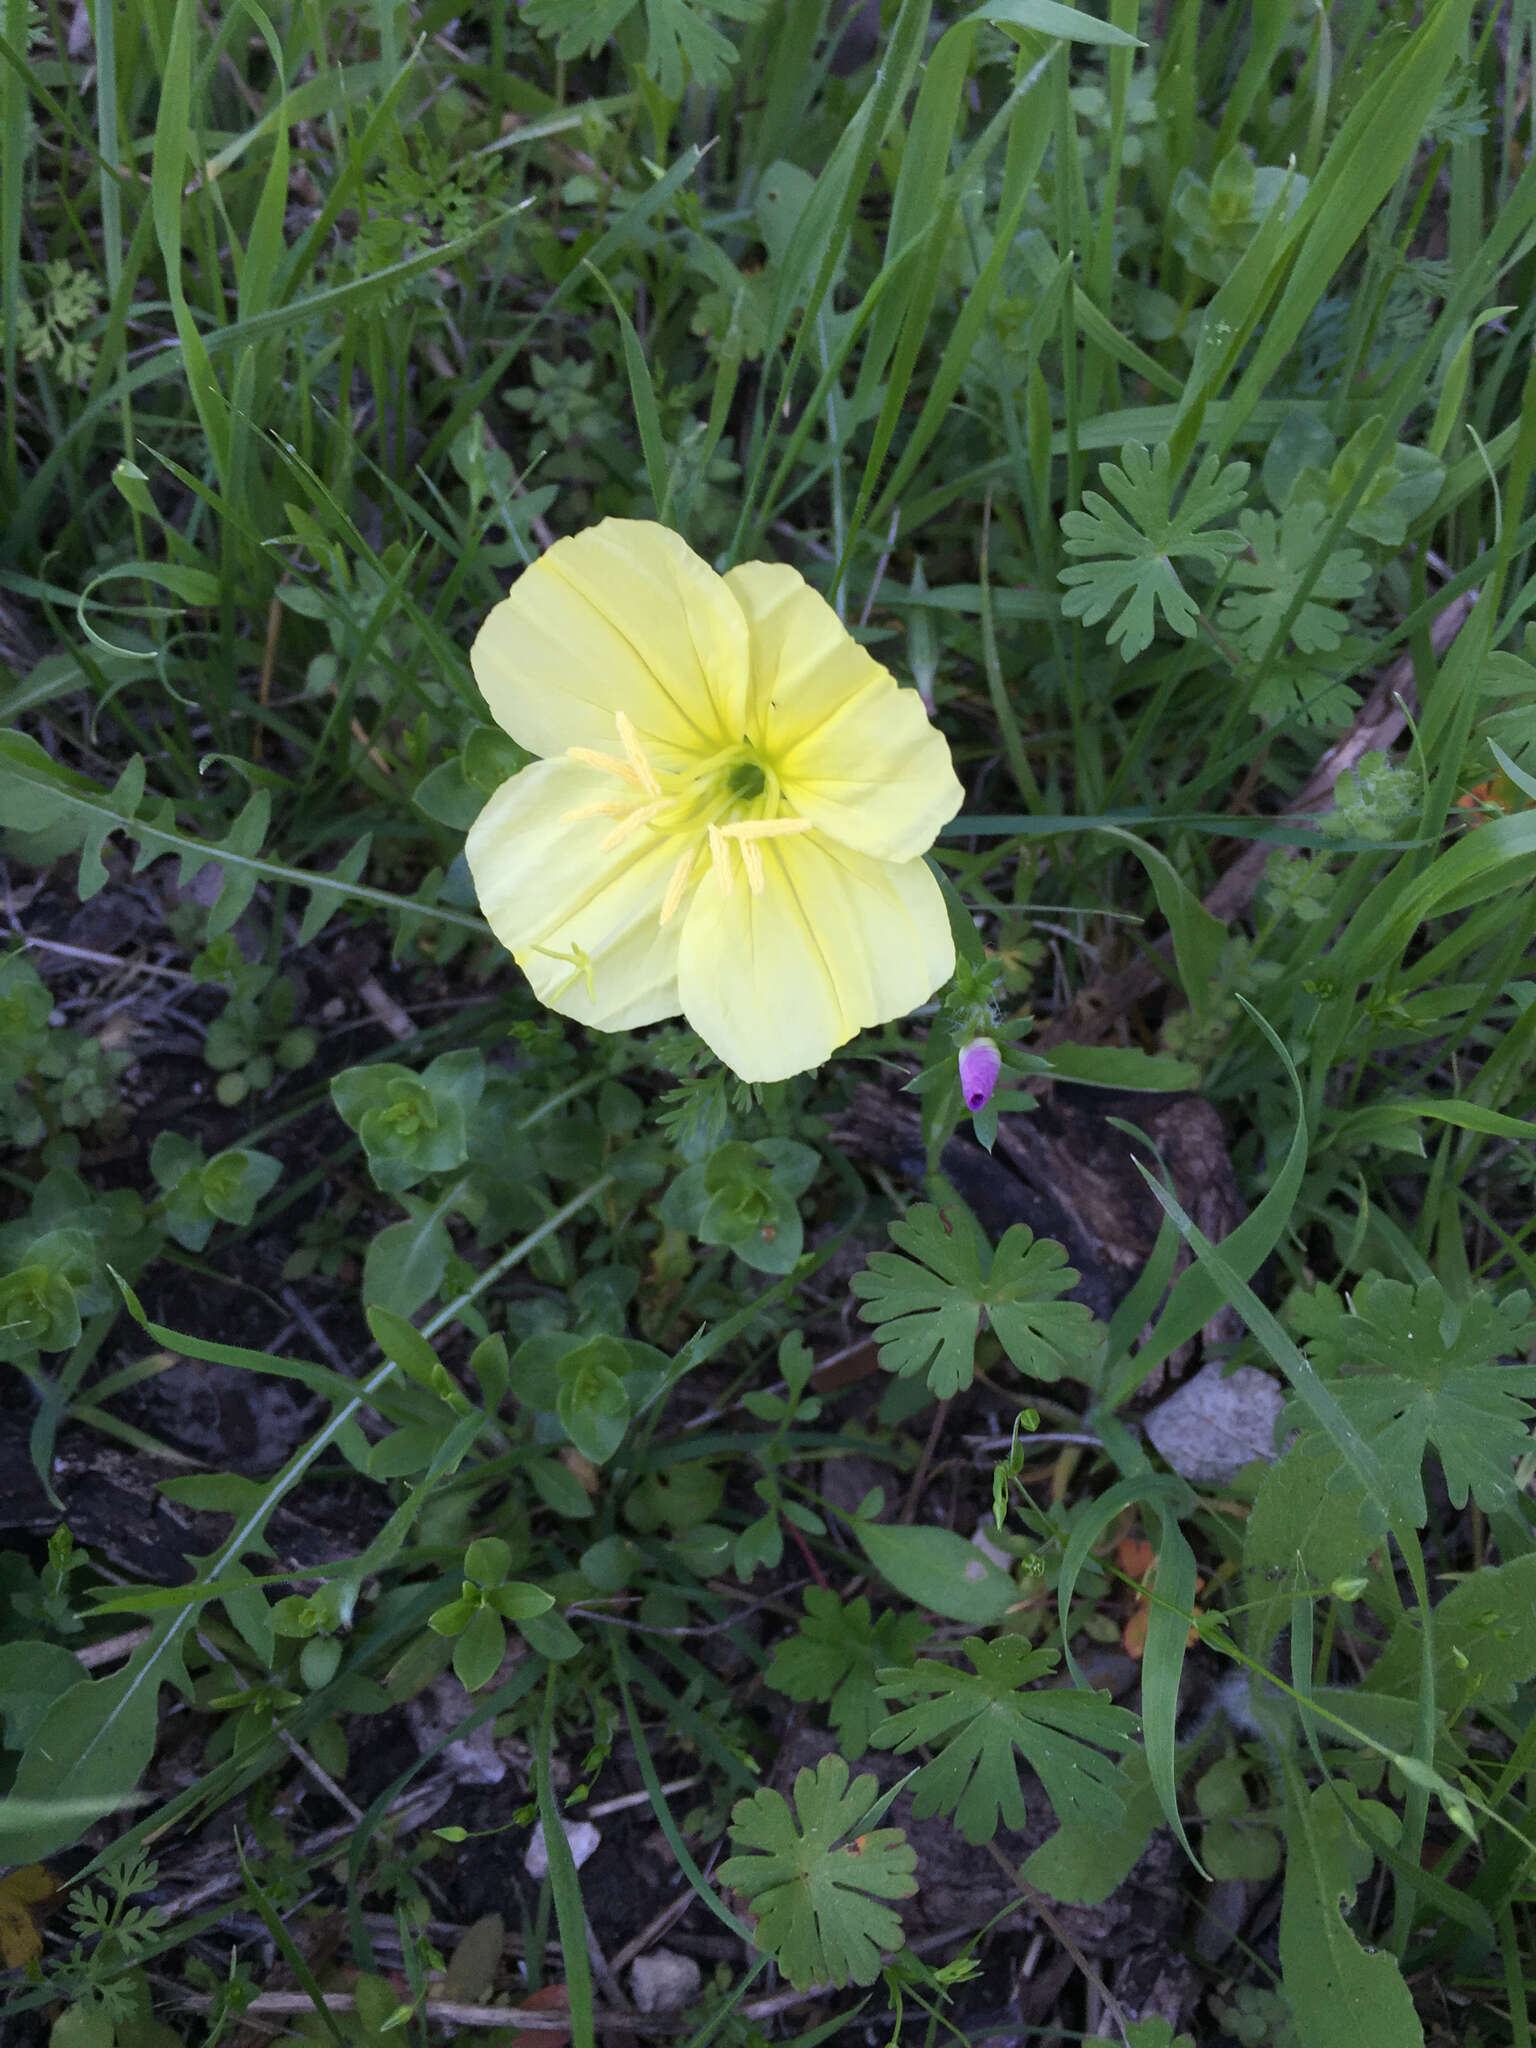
(609, 764)
(641, 815)
(720, 855)
(635, 754)
(677, 888)
(610, 807)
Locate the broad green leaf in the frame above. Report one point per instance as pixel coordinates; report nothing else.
(978, 1720)
(1307, 1517)
(1198, 937)
(36, 1674)
(480, 1649)
(593, 1402)
(406, 1261)
(1485, 1641)
(1051, 18)
(681, 42)
(816, 1895)
(938, 1570)
(1262, 584)
(1085, 1860)
(1153, 2033)
(93, 1746)
(1342, 1995)
(1123, 1066)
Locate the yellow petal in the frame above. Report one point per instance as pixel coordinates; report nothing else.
(558, 900)
(623, 617)
(854, 753)
(835, 941)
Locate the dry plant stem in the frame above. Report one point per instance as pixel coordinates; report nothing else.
(1378, 723)
(268, 664)
(273, 2003)
(276, 2003)
(411, 1810)
(920, 1476)
(108, 1652)
(606, 1806)
(385, 1009)
(667, 1918)
(95, 959)
(1039, 1904)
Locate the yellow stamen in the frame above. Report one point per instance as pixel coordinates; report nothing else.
(641, 815)
(677, 888)
(589, 757)
(635, 753)
(748, 829)
(610, 807)
(752, 861)
(719, 853)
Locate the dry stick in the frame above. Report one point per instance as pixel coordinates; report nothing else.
(112, 1648)
(295, 1748)
(654, 1929)
(96, 959)
(542, 2021)
(410, 1810)
(920, 1476)
(532, 2018)
(1039, 1904)
(1378, 723)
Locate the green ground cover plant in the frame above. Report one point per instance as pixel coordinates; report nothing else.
(431, 1421)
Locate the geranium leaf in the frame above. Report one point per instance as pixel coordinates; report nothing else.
(680, 42)
(934, 1302)
(817, 1896)
(1263, 583)
(835, 1656)
(1412, 1369)
(978, 1720)
(1132, 552)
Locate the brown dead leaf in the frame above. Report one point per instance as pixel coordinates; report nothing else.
(21, 1890)
(548, 1998)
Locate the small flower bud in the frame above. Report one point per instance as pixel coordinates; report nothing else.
(980, 1065)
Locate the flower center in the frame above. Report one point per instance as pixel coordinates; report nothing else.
(730, 798)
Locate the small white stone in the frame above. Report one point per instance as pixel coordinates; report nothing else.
(663, 1981)
(581, 1836)
(984, 1536)
(1217, 1422)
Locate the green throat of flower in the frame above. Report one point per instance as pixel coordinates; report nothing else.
(728, 799)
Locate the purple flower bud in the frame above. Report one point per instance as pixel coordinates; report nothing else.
(980, 1065)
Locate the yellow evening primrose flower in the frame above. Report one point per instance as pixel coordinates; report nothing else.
(730, 810)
